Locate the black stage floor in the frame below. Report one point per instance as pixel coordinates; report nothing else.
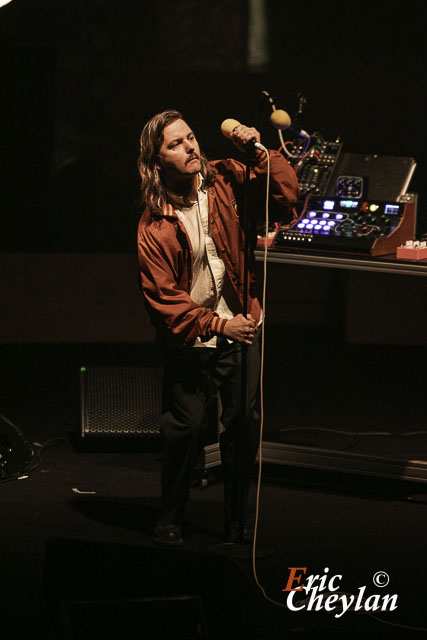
(78, 528)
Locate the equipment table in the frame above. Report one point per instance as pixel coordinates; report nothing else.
(326, 458)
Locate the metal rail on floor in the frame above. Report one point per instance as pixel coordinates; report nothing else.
(330, 460)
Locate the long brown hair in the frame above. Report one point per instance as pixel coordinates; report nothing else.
(153, 191)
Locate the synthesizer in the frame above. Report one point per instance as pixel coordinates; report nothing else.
(349, 225)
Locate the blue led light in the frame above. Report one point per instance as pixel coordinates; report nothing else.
(300, 225)
(348, 203)
(325, 215)
(328, 204)
(312, 214)
(305, 220)
(309, 226)
(317, 226)
(339, 216)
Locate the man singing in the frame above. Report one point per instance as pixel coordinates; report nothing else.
(191, 258)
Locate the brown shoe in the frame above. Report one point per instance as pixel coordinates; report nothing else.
(169, 533)
(232, 533)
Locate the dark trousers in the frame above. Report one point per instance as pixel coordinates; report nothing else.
(191, 376)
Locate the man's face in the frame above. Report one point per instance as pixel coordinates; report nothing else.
(179, 155)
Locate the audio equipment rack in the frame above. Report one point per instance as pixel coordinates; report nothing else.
(314, 167)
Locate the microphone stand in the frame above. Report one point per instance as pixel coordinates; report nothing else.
(242, 447)
(241, 549)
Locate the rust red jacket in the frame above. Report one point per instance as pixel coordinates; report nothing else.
(165, 254)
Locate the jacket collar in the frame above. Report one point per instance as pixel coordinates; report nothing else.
(167, 212)
(176, 201)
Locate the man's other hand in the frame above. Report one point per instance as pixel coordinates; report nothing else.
(241, 329)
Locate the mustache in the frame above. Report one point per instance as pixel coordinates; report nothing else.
(195, 156)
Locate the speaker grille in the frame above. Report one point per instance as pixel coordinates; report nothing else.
(122, 401)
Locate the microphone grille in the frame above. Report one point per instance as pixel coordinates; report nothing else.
(280, 119)
(228, 127)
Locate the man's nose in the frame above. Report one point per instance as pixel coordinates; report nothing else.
(189, 146)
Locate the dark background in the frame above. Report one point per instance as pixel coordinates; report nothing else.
(80, 78)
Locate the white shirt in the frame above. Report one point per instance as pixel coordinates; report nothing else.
(211, 286)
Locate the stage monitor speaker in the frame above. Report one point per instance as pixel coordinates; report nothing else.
(384, 178)
(180, 618)
(120, 401)
(15, 450)
(90, 571)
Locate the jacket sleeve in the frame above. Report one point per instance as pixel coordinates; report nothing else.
(168, 303)
(284, 188)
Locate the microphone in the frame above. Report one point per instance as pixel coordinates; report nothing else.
(227, 128)
(281, 120)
